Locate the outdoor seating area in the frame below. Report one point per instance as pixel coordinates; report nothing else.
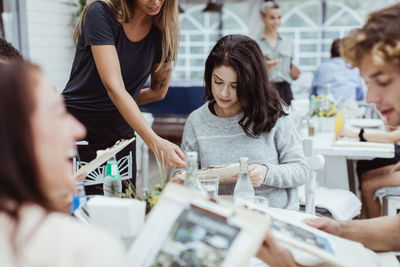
(199, 133)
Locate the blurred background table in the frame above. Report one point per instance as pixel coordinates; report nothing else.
(339, 169)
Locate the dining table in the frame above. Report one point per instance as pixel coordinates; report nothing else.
(341, 156)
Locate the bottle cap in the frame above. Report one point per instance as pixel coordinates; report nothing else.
(243, 159)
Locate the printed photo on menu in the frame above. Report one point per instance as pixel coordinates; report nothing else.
(197, 239)
(301, 235)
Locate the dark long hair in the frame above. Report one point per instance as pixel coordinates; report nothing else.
(260, 102)
(8, 51)
(19, 178)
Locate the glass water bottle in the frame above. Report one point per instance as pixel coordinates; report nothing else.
(244, 189)
(191, 179)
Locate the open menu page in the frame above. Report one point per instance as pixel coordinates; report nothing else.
(187, 229)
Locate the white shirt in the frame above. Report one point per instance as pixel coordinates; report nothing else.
(55, 240)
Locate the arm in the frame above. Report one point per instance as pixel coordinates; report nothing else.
(294, 72)
(270, 63)
(378, 234)
(382, 137)
(158, 86)
(396, 167)
(292, 170)
(107, 64)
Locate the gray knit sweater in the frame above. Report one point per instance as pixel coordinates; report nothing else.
(221, 141)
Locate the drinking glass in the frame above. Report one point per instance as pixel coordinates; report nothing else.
(210, 184)
(261, 201)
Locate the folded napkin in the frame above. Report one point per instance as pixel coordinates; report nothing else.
(356, 143)
(121, 217)
(342, 204)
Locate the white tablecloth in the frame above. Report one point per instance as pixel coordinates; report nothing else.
(339, 159)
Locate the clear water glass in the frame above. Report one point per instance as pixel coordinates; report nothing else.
(210, 184)
(261, 201)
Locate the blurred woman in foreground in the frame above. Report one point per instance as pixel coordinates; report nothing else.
(37, 137)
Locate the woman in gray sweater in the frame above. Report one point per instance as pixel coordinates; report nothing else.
(245, 117)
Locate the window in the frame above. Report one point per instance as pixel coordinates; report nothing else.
(312, 25)
(14, 24)
(1, 19)
(199, 33)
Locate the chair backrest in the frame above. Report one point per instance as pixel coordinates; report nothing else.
(97, 176)
(125, 164)
(315, 163)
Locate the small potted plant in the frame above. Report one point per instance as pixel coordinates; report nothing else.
(324, 110)
(150, 197)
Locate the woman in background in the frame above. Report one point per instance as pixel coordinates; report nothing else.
(278, 51)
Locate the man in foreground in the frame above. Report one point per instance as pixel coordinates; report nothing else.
(375, 50)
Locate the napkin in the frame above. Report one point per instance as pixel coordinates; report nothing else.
(121, 217)
(355, 143)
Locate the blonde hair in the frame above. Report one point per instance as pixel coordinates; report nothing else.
(380, 36)
(166, 21)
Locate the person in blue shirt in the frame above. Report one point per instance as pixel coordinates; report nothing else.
(345, 82)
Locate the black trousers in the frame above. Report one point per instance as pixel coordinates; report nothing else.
(368, 165)
(285, 91)
(103, 130)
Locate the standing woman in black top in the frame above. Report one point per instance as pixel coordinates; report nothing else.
(119, 44)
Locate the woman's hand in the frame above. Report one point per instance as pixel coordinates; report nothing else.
(170, 153)
(270, 63)
(325, 224)
(274, 255)
(257, 174)
(347, 133)
(179, 178)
